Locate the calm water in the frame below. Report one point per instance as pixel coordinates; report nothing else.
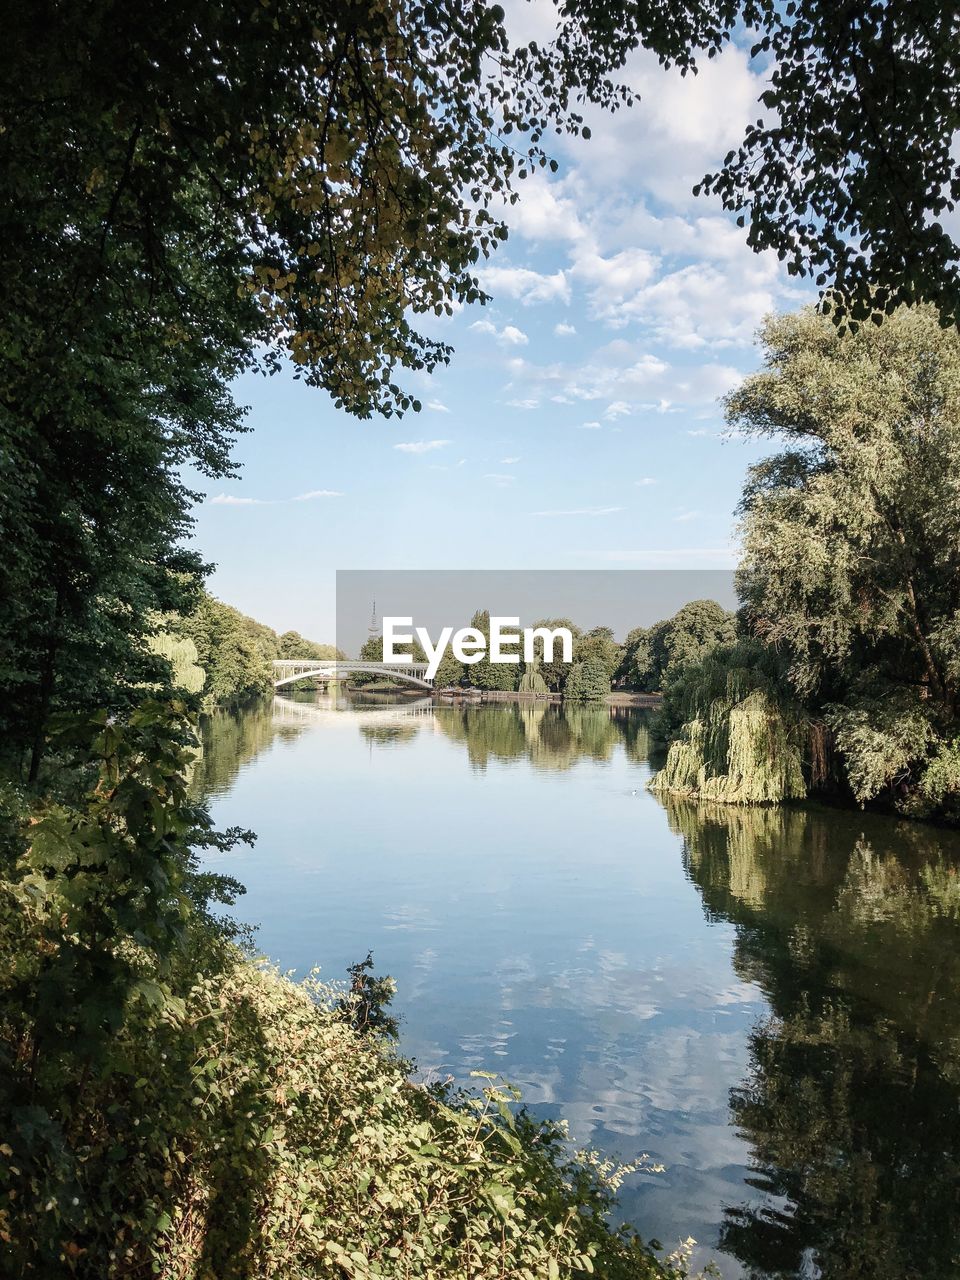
(764, 1002)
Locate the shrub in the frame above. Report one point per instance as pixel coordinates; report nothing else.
(170, 1108)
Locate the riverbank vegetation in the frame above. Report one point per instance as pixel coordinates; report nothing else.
(645, 662)
(172, 1108)
(845, 676)
(197, 191)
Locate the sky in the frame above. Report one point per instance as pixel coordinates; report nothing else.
(577, 425)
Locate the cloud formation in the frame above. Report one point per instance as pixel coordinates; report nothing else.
(420, 446)
(235, 500)
(508, 336)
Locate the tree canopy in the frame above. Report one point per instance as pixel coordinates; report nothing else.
(193, 190)
(851, 556)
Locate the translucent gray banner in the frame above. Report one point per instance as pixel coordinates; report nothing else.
(436, 598)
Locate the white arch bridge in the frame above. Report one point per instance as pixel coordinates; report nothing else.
(287, 670)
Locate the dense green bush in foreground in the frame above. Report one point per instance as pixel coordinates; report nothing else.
(170, 1108)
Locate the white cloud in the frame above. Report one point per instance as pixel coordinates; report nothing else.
(546, 211)
(514, 336)
(564, 330)
(580, 511)
(618, 409)
(644, 481)
(590, 426)
(234, 500)
(524, 284)
(529, 403)
(420, 446)
(508, 462)
(509, 335)
(622, 371)
(501, 480)
(615, 277)
(437, 406)
(681, 128)
(683, 516)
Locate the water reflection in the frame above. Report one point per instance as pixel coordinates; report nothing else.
(549, 735)
(765, 1001)
(851, 1102)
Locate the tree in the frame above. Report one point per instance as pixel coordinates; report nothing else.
(492, 675)
(229, 648)
(635, 669)
(192, 190)
(293, 645)
(694, 631)
(652, 657)
(851, 538)
(851, 168)
(450, 671)
(588, 681)
(599, 643)
(556, 671)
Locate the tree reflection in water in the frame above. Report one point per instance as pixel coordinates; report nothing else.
(852, 1106)
(551, 735)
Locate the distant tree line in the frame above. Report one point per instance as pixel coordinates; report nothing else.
(225, 656)
(646, 662)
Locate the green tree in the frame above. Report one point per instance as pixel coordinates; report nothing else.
(556, 671)
(450, 670)
(588, 681)
(492, 675)
(291, 644)
(635, 669)
(851, 538)
(693, 632)
(230, 649)
(599, 643)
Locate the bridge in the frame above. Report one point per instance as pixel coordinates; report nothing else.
(288, 670)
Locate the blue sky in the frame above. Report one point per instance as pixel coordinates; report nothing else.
(577, 425)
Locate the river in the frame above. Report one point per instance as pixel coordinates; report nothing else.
(764, 1003)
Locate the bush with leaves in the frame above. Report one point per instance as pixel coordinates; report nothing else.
(168, 1107)
(589, 681)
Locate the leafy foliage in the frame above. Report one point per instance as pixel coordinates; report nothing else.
(654, 657)
(170, 1108)
(850, 577)
(589, 681)
(850, 169)
(365, 1005)
(851, 537)
(556, 671)
(735, 737)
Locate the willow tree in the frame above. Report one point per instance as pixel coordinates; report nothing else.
(850, 578)
(851, 538)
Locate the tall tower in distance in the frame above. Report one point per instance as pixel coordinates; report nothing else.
(374, 628)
